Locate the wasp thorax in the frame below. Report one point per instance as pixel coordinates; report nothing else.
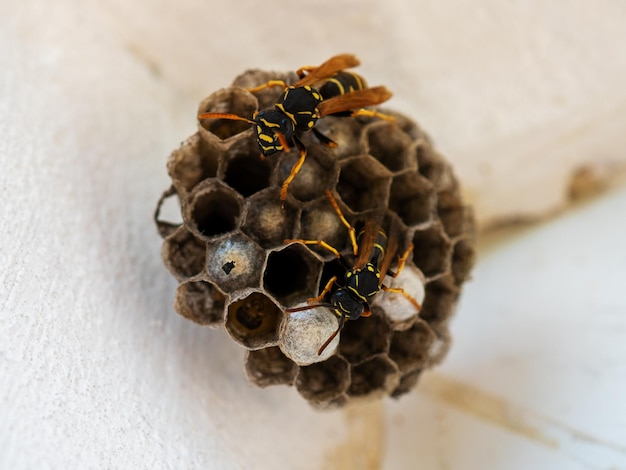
(300, 105)
(274, 130)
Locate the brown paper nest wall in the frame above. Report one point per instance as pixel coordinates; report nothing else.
(236, 271)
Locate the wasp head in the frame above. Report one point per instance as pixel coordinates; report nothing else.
(274, 131)
(345, 304)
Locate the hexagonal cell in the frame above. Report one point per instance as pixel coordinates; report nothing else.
(194, 161)
(254, 321)
(269, 366)
(292, 274)
(183, 254)
(366, 337)
(433, 167)
(201, 302)
(234, 262)
(440, 346)
(440, 300)
(319, 221)
(407, 382)
(268, 97)
(325, 381)
(245, 169)
(374, 377)
(363, 183)
(304, 332)
(212, 210)
(231, 100)
(463, 258)
(409, 127)
(400, 311)
(431, 252)
(167, 215)
(389, 145)
(345, 132)
(317, 174)
(266, 222)
(413, 198)
(457, 220)
(410, 348)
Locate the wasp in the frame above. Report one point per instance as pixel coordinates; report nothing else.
(300, 106)
(374, 252)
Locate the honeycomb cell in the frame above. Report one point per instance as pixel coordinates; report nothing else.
(234, 262)
(254, 321)
(231, 100)
(429, 163)
(213, 209)
(457, 221)
(201, 302)
(183, 254)
(366, 337)
(463, 257)
(304, 332)
(413, 198)
(345, 132)
(431, 252)
(245, 169)
(410, 349)
(269, 366)
(195, 161)
(389, 145)
(319, 221)
(167, 215)
(268, 222)
(317, 174)
(440, 345)
(363, 183)
(407, 382)
(292, 274)
(400, 310)
(439, 301)
(268, 97)
(375, 377)
(324, 382)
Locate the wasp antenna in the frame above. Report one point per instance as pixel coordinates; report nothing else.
(332, 337)
(307, 307)
(232, 117)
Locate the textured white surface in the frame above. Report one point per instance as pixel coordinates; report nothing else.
(97, 371)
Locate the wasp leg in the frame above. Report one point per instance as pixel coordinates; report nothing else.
(302, 71)
(326, 290)
(268, 84)
(321, 243)
(294, 170)
(401, 262)
(399, 290)
(372, 113)
(324, 140)
(352, 232)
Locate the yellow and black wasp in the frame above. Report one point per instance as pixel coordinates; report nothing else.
(374, 252)
(299, 107)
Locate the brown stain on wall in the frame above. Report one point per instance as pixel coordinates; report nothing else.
(364, 445)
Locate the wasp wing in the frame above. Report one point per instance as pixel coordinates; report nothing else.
(328, 69)
(392, 248)
(354, 100)
(367, 242)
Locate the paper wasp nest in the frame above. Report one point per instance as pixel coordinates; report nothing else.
(235, 271)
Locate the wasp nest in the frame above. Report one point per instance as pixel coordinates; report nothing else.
(236, 271)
